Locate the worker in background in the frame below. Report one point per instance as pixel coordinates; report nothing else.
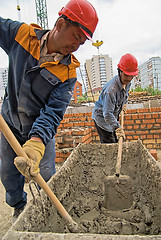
(111, 100)
(41, 79)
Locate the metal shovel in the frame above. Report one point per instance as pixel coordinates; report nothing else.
(118, 188)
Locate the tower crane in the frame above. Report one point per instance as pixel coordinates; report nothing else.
(41, 11)
(18, 9)
(97, 44)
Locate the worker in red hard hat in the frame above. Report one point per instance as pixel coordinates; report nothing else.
(41, 80)
(113, 99)
(129, 67)
(81, 15)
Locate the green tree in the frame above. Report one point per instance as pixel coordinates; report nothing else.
(151, 91)
(138, 89)
(84, 98)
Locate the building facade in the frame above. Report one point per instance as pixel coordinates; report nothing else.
(99, 71)
(77, 91)
(149, 74)
(3, 81)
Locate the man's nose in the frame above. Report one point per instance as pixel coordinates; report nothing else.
(129, 77)
(75, 46)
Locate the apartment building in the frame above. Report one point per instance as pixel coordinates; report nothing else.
(3, 81)
(77, 91)
(149, 74)
(99, 71)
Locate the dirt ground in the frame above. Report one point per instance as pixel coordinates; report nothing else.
(6, 211)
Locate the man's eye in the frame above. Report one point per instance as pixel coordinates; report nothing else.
(75, 37)
(82, 43)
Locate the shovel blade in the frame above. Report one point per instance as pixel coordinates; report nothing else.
(118, 193)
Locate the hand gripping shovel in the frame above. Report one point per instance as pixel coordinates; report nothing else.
(118, 188)
(72, 226)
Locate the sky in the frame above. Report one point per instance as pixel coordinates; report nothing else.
(125, 26)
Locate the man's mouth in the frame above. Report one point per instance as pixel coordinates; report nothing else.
(68, 50)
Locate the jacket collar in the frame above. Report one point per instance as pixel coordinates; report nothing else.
(66, 59)
(39, 32)
(120, 84)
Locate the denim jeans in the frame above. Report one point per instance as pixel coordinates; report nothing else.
(106, 137)
(13, 180)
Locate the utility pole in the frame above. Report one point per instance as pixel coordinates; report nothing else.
(82, 79)
(156, 77)
(41, 11)
(89, 84)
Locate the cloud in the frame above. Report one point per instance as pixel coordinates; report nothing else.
(130, 26)
(124, 25)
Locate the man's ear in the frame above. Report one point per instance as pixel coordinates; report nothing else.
(60, 24)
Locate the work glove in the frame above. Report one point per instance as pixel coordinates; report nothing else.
(35, 152)
(120, 133)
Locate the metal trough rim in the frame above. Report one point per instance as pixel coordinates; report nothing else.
(15, 235)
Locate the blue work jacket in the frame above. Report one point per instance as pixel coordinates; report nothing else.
(36, 96)
(109, 105)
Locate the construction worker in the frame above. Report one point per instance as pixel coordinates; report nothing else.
(111, 100)
(41, 79)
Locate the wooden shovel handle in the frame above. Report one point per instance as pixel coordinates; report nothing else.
(119, 155)
(20, 152)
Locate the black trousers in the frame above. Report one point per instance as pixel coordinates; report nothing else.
(106, 137)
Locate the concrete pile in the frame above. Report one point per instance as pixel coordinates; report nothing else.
(79, 185)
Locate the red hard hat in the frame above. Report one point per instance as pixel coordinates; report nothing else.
(128, 64)
(82, 12)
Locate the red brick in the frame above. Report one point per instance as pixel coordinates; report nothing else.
(136, 126)
(129, 127)
(143, 126)
(131, 111)
(88, 114)
(150, 126)
(128, 117)
(155, 109)
(150, 136)
(156, 136)
(141, 116)
(135, 116)
(158, 120)
(128, 122)
(149, 121)
(155, 115)
(138, 121)
(148, 115)
(153, 152)
(143, 110)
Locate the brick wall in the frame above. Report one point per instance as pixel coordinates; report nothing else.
(77, 91)
(143, 124)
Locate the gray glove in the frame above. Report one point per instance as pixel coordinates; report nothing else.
(120, 133)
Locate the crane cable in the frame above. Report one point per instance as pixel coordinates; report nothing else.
(18, 9)
(89, 83)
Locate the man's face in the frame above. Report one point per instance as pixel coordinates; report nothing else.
(125, 79)
(65, 39)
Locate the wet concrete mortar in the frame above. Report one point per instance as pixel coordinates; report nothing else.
(80, 186)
